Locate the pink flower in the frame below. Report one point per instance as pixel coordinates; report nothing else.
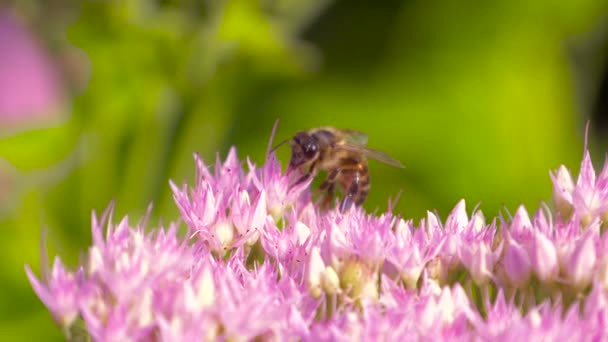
(248, 219)
(588, 199)
(476, 250)
(60, 293)
(516, 263)
(581, 263)
(263, 262)
(281, 193)
(410, 251)
(30, 89)
(544, 258)
(500, 318)
(563, 187)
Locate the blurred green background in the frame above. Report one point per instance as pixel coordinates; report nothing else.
(103, 100)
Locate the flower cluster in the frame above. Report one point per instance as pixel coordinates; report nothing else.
(261, 261)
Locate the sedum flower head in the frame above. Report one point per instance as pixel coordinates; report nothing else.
(59, 293)
(587, 199)
(260, 261)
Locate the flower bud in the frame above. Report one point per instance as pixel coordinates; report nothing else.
(562, 192)
(517, 264)
(544, 258)
(224, 233)
(330, 282)
(478, 259)
(314, 270)
(410, 276)
(579, 267)
(437, 270)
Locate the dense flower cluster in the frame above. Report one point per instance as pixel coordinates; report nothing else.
(261, 261)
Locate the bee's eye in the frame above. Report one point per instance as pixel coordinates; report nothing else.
(310, 149)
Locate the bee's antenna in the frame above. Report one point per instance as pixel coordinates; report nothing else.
(272, 133)
(278, 145)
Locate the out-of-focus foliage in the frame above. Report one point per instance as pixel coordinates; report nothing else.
(478, 99)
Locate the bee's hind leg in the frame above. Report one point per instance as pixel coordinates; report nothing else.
(346, 203)
(356, 183)
(352, 195)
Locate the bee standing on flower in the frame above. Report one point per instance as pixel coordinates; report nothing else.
(342, 153)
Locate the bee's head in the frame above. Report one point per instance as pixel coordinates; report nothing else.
(304, 149)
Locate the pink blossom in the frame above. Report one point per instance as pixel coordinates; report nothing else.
(30, 88)
(544, 258)
(516, 262)
(262, 261)
(588, 198)
(60, 292)
(580, 265)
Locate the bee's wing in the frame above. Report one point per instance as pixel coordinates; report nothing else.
(354, 137)
(372, 154)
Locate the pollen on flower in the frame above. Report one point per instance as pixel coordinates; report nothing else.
(200, 293)
(358, 281)
(224, 233)
(330, 282)
(603, 272)
(276, 211)
(262, 262)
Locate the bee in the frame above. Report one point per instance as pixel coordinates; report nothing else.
(342, 154)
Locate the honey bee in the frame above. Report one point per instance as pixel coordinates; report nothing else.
(342, 154)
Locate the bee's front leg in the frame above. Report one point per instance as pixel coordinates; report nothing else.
(311, 172)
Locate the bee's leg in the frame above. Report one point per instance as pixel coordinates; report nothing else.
(311, 171)
(328, 196)
(329, 186)
(352, 195)
(331, 179)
